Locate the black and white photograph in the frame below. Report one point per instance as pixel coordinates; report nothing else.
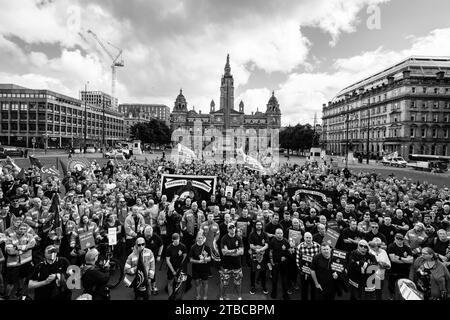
(224, 156)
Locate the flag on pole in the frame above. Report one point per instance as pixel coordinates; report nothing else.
(13, 164)
(54, 208)
(35, 162)
(250, 162)
(185, 154)
(63, 167)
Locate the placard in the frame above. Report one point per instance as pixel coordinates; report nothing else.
(112, 236)
(86, 240)
(295, 235)
(228, 189)
(333, 225)
(306, 264)
(331, 237)
(338, 260)
(242, 225)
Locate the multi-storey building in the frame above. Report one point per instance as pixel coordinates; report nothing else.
(404, 109)
(99, 99)
(29, 116)
(226, 118)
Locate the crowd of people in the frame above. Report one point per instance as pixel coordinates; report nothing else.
(390, 228)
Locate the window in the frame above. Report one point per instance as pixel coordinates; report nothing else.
(424, 118)
(434, 133)
(5, 106)
(424, 90)
(424, 105)
(446, 132)
(424, 132)
(413, 90)
(433, 149)
(413, 117)
(446, 117)
(422, 149)
(436, 105)
(411, 149)
(435, 118)
(413, 104)
(413, 132)
(436, 90)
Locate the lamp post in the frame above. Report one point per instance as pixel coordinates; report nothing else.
(85, 114)
(103, 127)
(45, 143)
(368, 132)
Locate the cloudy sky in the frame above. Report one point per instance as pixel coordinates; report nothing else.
(305, 50)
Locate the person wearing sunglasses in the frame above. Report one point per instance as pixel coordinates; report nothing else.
(360, 266)
(141, 265)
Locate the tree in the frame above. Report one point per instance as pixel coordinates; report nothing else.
(298, 138)
(153, 132)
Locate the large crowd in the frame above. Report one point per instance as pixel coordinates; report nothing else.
(390, 228)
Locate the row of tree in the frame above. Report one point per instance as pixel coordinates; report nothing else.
(292, 138)
(298, 138)
(154, 132)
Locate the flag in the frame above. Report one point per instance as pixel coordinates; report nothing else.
(12, 163)
(54, 207)
(185, 154)
(21, 174)
(35, 162)
(63, 167)
(141, 278)
(50, 171)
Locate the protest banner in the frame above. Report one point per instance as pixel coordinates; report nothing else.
(306, 264)
(229, 189)
(198, 187)
(112, 236)
(331, 237)
(338, 260)
(86, 240)
(295, 235)
(242, 225)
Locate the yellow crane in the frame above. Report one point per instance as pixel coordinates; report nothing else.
(117, 61)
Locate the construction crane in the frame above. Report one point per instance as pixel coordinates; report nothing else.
(117, 61)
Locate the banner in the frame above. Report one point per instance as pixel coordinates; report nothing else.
(112, 236)
(86, 240)
(200, 187)
(184, 154)
(331, 237)
(306, 264)
(242, 225)
(314, 198)
(338, 260)
(295, 235)
(229, 189)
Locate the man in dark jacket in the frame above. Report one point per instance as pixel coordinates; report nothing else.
(94, 279)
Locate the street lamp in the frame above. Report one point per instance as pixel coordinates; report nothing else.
(368, 131)
(45, 143)
(85, 114)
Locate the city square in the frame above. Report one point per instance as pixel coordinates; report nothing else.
(297, 152)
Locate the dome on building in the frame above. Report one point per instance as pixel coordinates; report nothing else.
(180, 102)
(273, 105)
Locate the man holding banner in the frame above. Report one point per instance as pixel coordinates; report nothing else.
(305, 253)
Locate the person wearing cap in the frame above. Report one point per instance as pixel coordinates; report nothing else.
(93, 278)
(49, 277)
(401, 260)
(360, 264)
(232, 248)
(176, 254)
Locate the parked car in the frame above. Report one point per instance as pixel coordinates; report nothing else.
(395, 162)
(10, 152)
(116, 153)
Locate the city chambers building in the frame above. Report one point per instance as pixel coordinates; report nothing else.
(226, 117)
(404, 108)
